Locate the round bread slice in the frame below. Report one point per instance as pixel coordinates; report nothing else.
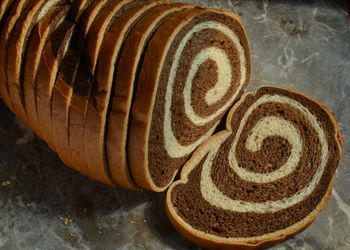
(16, 10)
(195, 67)
(51, 58)
(95, 123)
(124, 85)
(35, 11)
(262, 180)
(40, 34)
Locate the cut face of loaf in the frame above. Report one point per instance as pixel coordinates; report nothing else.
(196, 66)
(264, 179)
(125, 83)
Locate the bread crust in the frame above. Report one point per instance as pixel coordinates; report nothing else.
(214, 242)
(36, 43)
(6, 32)
(16, 50)
(50, 62)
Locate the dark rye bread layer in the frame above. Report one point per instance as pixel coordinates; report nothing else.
(16, 51)
(203, 54)
(95, 124)
(16, 9)
(36, 43)
(262, 180)
(51, 58)
(124, 84)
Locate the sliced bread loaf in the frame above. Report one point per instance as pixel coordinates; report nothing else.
(262, 180)
(196, 66)
(124, 84)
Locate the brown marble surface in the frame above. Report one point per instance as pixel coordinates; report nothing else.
(304, 45)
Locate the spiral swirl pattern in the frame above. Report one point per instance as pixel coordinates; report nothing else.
(266, 177)
(215, 94)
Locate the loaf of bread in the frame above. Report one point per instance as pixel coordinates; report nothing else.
(262, 180)
(126, 90)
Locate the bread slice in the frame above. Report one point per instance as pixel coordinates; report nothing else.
(40, 34)
(262, 180)
(53, 53)
(195, 67)
(16, 50)
(17, 8)
(95, 124)
(124, 84)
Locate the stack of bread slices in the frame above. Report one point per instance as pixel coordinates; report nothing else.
(126, 90)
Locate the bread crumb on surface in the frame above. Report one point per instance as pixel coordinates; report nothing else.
(5, 183)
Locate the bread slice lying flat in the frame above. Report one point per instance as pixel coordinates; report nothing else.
(125, 84)
(262, 180)
(196, 66)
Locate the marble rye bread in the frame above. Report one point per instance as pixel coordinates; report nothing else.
(262, 180)
(196, 65)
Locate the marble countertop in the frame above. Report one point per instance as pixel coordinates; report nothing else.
(303, 45)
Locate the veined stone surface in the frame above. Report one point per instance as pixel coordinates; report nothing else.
(303, 45)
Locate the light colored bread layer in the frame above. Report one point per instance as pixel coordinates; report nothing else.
(124, 83)
(6, 32)
(325, 127)
(36, 43)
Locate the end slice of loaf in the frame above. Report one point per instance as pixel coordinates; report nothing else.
(196, 66)
(262, 180)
